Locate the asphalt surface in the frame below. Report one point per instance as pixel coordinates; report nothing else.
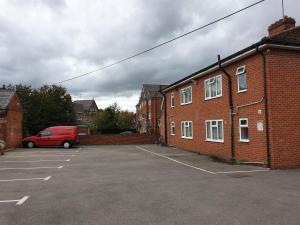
(146, 185)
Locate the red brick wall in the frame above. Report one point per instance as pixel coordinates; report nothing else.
(117, 139)
(284, 107)
(155, 109)
(218, 108)
(14, 119)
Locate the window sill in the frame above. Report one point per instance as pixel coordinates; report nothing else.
(212, 98)
(172, 107)
(189, 138)
(244, 141)
(217, 141)
(186, 103)
(242, 91)
(173, 134)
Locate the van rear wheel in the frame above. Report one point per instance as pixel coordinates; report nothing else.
(30, 144)
(67, 144)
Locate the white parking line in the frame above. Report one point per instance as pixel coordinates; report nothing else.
(28, 156)
(31, 168)
(28, 179)
(54, 160)
(173, 160)
(242, 171)
(18, 201)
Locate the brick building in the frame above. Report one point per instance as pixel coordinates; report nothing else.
(149, 108)
(11, 118)
(244, 107)
(85, 113)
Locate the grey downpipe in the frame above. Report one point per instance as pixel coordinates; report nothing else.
(165, 115)
(230, 109)
(266, 106)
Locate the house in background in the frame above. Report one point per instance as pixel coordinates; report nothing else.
(85, 113)
(244, 107)
(149, 108)
(11, 118)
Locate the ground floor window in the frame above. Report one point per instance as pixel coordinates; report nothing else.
(244, 130)
(214, 130)
(172, 128)
(187, 129)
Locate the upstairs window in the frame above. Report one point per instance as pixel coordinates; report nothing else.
(241, 78)
(186, 95)
(172, 128)
(213, 87)
(244, 130)
(214, 130)
(187, 129)
(172, 100)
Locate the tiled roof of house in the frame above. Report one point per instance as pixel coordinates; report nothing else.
(288, 38)
(152, 91)
(5, 97)
(81, 106)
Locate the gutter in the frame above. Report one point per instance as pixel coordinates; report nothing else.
(263, 56)
(232, 158)
(234, 59)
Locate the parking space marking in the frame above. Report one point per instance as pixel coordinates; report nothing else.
(176, 161)
(33, 161)
(31, 168)
(242, 171)
(18, 201)
(28, 179)
(28, 156)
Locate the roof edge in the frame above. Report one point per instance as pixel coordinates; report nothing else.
(263, 44)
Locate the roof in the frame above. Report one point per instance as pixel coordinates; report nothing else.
(5, 98)
(83, 105)
(288, 38)
(151, 90)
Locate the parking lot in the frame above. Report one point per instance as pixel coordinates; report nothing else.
(145, 184)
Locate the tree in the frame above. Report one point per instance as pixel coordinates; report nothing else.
(44, 107)
(113, 120)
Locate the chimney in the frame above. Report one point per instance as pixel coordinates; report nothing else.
(287, 23)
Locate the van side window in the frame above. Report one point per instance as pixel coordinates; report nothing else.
(45, 133)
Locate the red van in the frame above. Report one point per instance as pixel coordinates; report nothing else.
(65, 136)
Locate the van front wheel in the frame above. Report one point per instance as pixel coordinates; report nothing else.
(66, 144)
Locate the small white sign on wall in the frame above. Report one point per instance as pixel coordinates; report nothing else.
(260, 125)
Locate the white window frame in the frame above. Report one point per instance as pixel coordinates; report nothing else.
(183, 135)
(211, 126)
(241, 71)
(243, 126)
(209, 80)
(181, 91)
(172, 100)
(173, 127)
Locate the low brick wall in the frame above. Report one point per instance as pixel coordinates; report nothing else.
(117, 139)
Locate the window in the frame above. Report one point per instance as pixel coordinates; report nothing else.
(186, 95)
(172, 100)
(149, 116)
(213, 87)
(244, 130)
(172, 128)
(187, 129)
(45, 133)
(214, 130)
(241, 79)
(149, 102)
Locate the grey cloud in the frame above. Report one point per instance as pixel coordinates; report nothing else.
(43, 42)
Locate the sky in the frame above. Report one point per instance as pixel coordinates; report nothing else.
(47, 41)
